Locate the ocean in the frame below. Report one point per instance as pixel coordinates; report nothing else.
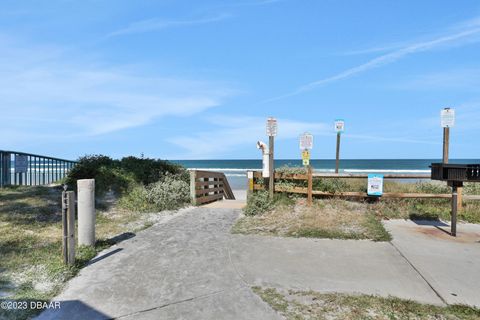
(236, 170)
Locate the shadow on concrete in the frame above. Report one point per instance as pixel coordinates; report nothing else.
(434, 223)
(71, 310)
(106, 255)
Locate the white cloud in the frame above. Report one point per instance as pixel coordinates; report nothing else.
(465, 79)
(150, 25)
(469, 33)
(57, 96)
(228, 132)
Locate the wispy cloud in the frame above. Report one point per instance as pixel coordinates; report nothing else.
(62, 97)
(150, 25)
(229, 132)
(464, 79)
(458, 37)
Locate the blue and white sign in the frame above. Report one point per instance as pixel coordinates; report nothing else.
(375, 185)
(21, 163)
(339, 126)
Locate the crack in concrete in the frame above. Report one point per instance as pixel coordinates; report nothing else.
(419, 273)
(202, 296)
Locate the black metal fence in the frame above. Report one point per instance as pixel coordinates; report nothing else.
(19, 168)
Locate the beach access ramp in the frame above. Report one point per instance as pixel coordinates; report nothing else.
(209, 186)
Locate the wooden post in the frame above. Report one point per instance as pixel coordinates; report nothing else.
(250, 183)
(453, 224)
(193, 189)
(68, 226)
(460, 198)
(446, 142)
(65, 226)
(337, 158)
(271, 184)
(71, 227)
(309, 186)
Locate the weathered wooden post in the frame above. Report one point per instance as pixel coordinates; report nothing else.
(309, 186)
(250, 183)
(68, 224)
(306, 144)
(339, 129)
(86, 212)
(447, 116)
(271, 132)
(193, 187)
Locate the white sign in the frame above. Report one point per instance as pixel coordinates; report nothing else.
(339, 126)
(21, 163)
(306, 141)
(375, 185)
(448, 117)
(271, 127)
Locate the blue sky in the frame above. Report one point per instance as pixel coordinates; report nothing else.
(197, 79)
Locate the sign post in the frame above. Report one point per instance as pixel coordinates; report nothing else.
(447, 116)
(306, 144)
(339, 129)
(271, 133)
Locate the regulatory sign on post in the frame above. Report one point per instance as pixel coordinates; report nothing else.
(21, 163)
(448, 117)
(339, 125)
(271, 127)
(306, 157)
(375, 185)
(306, 141)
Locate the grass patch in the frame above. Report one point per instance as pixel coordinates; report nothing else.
(327, 218)
(31, 266)
(313, 305)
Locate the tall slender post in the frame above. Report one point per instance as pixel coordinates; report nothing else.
(309, 186)
(446, 143)
(65, 227)
(453, 224)
(271, 184)
(337, 158)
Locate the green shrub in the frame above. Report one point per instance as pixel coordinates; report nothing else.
(148, 171)
(168, 194)
(257, 203)
(333, 185)
(471, 188)
(121, 176)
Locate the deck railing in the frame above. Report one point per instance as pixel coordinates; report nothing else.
(20, 168)
(209, 186)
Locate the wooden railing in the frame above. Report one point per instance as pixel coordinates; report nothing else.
(209, 186)
(310, 192)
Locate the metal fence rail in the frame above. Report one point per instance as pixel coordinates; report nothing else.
(20, 168)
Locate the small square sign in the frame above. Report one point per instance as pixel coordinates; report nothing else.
(306, 141)
(375, 185)
(447, 116)
(21, 163)
(339, 125)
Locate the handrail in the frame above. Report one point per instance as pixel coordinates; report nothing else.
(36, 155)
(21, 168)
(209, 186)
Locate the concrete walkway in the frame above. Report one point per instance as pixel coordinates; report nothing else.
(191, 267)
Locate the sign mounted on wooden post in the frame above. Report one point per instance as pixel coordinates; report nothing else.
(306, 157)
(447, 117)
(339, 126)
(375, 185)
(271, 127)
(306, 141)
